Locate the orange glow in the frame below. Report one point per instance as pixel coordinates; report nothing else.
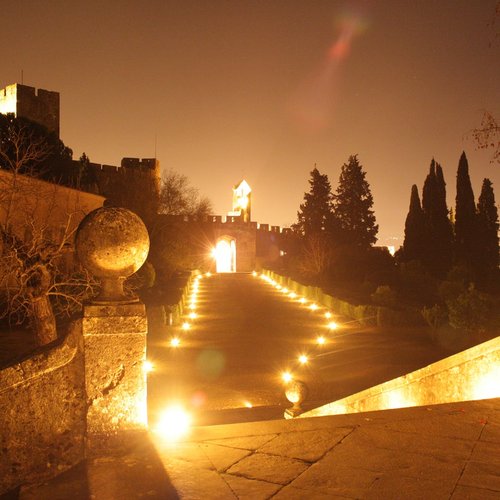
(247, 404)
(225, 256)
(292, 295)
(320, 340)
(302, 300)
(186, 325)
(174, 423)
(332, 325)
(286, 377)
(175, 342)
(148, 366)
(328, 315)
(303, 359)
(313, 307)
(193, 315)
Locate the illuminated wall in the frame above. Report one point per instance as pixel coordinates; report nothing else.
(43, 413)
(469, 375)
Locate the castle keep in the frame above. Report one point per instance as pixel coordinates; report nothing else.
(40, 106)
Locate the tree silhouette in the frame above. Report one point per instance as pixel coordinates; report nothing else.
(415, 235)
(439, 241)
(316, 211)
(353, 204)
(487, 241)
(465, 217)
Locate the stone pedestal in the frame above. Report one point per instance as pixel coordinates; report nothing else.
(115, 380)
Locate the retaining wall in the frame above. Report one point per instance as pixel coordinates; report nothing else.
(469, 375)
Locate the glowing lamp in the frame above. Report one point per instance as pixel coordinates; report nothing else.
(303, 359)
(286, 377)
(320, 340)
(186, 326)
(328, 315)
(208, 274)
(148, 366)
(332, 325)
(192, 306)
(175, 342)
(174, 423)
(254, 273)
(247, 404)
(302, 300)
(285, 290)
(292, 295)
(278, 287)
(313, 307)
(193, 315)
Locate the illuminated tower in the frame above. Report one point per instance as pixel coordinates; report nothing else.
(242, 200)
(40, 106)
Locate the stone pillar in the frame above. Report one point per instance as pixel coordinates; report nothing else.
(112, 243)
(115, 380)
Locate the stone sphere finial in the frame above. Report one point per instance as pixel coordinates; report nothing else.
(112, 243)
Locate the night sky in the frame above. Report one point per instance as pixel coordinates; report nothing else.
(263, 90)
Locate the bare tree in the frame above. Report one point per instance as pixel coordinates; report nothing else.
(487, 135)
(178, 197)
(37, 225)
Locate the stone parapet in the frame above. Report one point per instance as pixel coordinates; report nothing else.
(42, 405)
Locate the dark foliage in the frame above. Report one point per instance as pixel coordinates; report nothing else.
(315, 212)
(465, 217)
(353, 204)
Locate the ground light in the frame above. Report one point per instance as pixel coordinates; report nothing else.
(148, 366)
(303, 359)
(174, 423)
(247, 404)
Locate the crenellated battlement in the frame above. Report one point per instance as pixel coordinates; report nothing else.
(229, 220)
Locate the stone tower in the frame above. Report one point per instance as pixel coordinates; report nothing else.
(40, 106)
(242, 205)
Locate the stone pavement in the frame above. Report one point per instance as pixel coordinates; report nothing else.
(449, 451)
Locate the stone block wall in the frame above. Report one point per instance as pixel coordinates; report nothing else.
(469, 375)
(43, 413)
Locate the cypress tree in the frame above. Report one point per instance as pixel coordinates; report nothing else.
(439, 233)
(465, 216)
(487, 241)
(316, 211)
(353, 204)
(414, 242)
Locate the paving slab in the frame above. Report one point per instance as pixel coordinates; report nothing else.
(440, 452)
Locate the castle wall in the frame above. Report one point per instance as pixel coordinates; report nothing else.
(256, 245)
(41, 106)
(135, 184)
(42, 204)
